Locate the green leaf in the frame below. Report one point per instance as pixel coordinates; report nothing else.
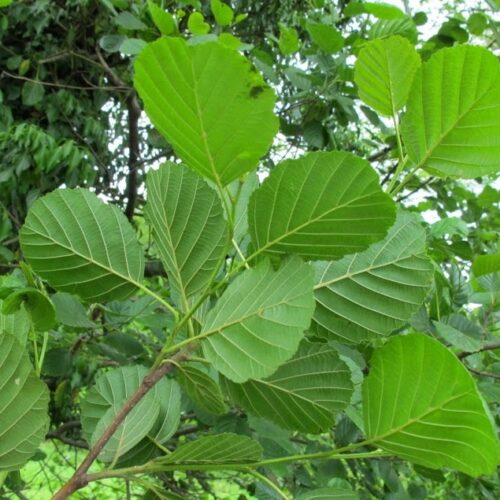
(477, 23)
(156, 415)
(303, 394)
(421, 404)
(379, 9)
(209, 103)
(32, 93)
(168, 394)
(486, 264)
(38, 305)
(135, 426)
(230, 41)
(197, 24)
(259, 321)
(247, 187)
(16, 324)
(104, 401)
(129, 21)
(377, 291)
(383, 10)
(449, 226)
(81, 245)
(384, 73)
(289, 41)
(329, 494)
(321, 206)
(163, 20)
(111, 43)
(70, 312)
(188, 225)
(5, 3)
(457, 338)
(326, 37)
(223, 13)
(132, 46)
(452, 123)
(57, 362)
(202, 389)
(219, 449)
(24, 401)
(402, 26)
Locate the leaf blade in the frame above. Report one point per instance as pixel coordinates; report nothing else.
(220, 135)
(410, 422)
(374, 292)
(224, 448)
(321, 206)
(303, 394)
(24, 401)
(178, 198)
(56, 241)
(261, 308)
(384, 73)
(452, 123)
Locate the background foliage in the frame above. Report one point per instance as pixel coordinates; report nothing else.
(70, 116)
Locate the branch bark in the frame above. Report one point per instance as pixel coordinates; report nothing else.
(134, 113)
(80, 478)
(486, 347)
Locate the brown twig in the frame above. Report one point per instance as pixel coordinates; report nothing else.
(80, 478)
(483, 374)
(134, 113)
(486, 347)
(61, 85)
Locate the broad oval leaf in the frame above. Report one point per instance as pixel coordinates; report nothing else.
(70, 312)
(384, 73)
(486, 264)
(17, 324)
(303, 394)
(325, 36)
(242, 193)
(188, 227)
(156, 415)
(329, 493)
(219, 449)
(321, 206)
(39, 307)
(24, 402)
(202, 389)
(209, 103)
(421, 403)
(168, 394)
(402, 26)
(452, 123)
(130, 432)
(260, 319)
(377, 291)
(81, 245)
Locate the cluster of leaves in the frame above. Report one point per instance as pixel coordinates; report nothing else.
(294, 315)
